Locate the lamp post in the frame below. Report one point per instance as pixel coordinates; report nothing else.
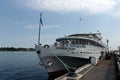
(107, 45)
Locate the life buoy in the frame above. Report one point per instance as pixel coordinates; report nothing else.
(46, 46)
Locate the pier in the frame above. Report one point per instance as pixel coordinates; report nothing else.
(103, 71)
(106, 69)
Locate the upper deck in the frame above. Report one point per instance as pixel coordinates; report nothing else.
(83, 39)
(95, 36)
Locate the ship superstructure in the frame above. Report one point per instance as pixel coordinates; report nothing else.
(71, 51)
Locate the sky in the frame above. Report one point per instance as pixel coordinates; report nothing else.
(19, 20)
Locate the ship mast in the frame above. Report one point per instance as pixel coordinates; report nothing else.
(40, 25)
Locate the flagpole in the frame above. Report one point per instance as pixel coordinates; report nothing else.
(39, 33)
(39, 29)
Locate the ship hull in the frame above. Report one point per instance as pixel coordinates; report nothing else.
(59, 65)
(58, 61)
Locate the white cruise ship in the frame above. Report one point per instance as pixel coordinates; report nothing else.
(71, 51)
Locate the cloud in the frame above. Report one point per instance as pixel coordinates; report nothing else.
(31, 27)
(116, 14)
(35, 26)
(92, 6)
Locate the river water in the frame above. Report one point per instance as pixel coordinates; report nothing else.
(21, 65)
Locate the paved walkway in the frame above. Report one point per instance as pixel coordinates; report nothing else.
(105, 70)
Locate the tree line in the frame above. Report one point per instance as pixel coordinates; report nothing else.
(16, 49)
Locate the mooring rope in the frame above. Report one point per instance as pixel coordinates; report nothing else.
(65, 65)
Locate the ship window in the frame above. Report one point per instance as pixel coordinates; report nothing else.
(86, 42)
(73, 41)
(80, 41)
(77, 42)
(72, 52)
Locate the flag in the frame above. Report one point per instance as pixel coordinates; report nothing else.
(41, 19)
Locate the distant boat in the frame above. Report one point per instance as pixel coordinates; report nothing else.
(70, 51)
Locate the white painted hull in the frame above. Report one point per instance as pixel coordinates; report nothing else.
(58, 59)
